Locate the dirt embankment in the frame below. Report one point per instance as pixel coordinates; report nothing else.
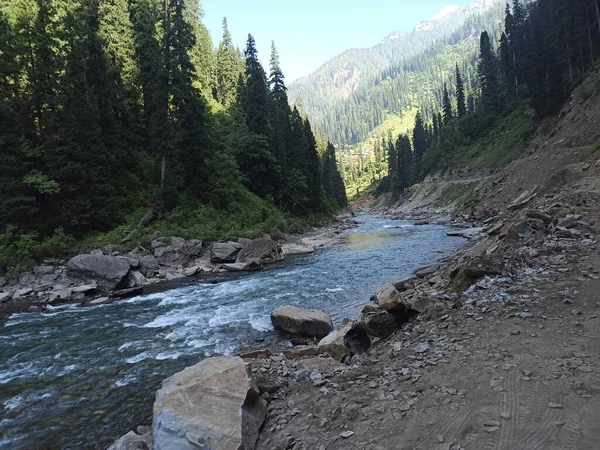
(504, 354)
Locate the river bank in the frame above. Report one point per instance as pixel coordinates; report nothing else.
(106, 275)
(79, 375)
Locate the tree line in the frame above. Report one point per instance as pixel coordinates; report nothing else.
(544, 51)
(110, 105)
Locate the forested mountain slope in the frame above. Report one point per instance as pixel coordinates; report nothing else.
(353, 93)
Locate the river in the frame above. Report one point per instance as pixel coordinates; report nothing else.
(81, 377)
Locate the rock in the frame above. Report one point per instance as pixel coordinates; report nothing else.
(402, 283)
(567, 233)
(126, 293)
(137, 279)
(84, 289)
(59, 296)
(478, 267)
(522, 200)
(173, 276)
(107, 271)
(265, 251)
(176, 251)
(23, 292)
(357, 341)
(98, 301)
(333, 343)
(5, 297)
(212, 405)
(246, 266)
(424, 272)
(346, 434)
(567, 222)
(191, 271)
(555, 406)
(297, 249)
(468, 233)
(134, 441)
(34, 309)
(148, 266)
(43, 270)
(303, 322)
(381, 322)
(421, 348)
(535, 214)
(223, 252)
(389, 299)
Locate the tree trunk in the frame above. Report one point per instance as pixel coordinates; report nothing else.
(163, 169)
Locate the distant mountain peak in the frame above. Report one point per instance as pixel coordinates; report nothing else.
(395, 35)
(446, 11)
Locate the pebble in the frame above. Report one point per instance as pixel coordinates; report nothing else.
(346, 434)
(505, 415)
(421, 348)
(555, 406)
(373, 384)
(525, 315)
(576, 312)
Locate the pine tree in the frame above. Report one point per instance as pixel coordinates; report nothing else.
(461, 105)
(419, 140)
(486, 70)
(229, 66)
(447, 106)
(201, 53)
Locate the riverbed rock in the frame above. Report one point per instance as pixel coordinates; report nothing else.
(302, 322)
(5, 296)
(149, 266)
(176, 251)
(212, 405)
(265, 251)
(297, 249)
(381, 322)
(134, 441)
(389, 299)
(423, 272)
(107, 271)
(251, 265)
(60, 295)
(223, 252)
(467, 233)
(403, 283)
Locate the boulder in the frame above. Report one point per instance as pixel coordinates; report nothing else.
(403, 282)
(297, 249)
(478, 267)
(423, 272)
(85, 288)
(265, 251)
(5, 297)
(134, 441)
(212, 405)
(535, 214)
(333, 343)
(60, 295)
(223, 252)
(522, 200)
(303, 322)
(149, 266)
(107, 271)
(357, 341)
(176, 251)
(389, 299)
(381, 322)
(43, 270)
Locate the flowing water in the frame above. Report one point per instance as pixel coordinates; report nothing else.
(82, 377)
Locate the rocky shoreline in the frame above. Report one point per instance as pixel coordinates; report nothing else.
(105, 275)
(367, 372)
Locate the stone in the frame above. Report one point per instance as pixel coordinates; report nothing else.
(134, 441)
(522, 200)
(176, 251)
(346, 434)
(59, 296)
(297, 249)
(84, 289)
(421, 348)
(389, 299)
(535, 214)
(381, 322)
(357, 341)
(555, 406)
(106, 271)
(402, 283)
(43, 270)
(424, 272)
(191, 271)
(223, 252)
(149, 266)
(5, 297)
(246, 266)
(211, 405)
(264, 251)
(23, 292)
(478, 267)
(173, 276)
(303, 322)
(98, 301)
(137, 279)
(467, 233)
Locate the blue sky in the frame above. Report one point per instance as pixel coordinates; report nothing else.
(309, 32)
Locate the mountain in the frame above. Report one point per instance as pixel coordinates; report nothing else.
(358, 70)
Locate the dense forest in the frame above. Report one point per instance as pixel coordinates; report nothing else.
(544, 51)
(117, 109)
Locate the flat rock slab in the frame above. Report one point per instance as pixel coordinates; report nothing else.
(302, 322)
(212, 405)
(467, 233)
(223, 252)
(265, 251)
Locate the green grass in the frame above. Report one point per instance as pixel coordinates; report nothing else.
(461, 194)
(502, 144)
(249, 217)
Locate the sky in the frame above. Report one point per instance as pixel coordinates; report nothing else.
(307, 33)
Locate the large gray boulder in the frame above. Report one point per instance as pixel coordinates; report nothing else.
(390, 299)
(140, 440)
(106, 271)
(176, 251)
(223, 252)
(149, 266)
(213, 405)
(265, 251)
(302, 322)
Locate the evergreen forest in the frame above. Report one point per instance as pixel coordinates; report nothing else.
(120, 113)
